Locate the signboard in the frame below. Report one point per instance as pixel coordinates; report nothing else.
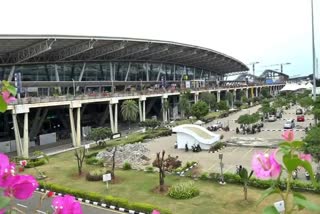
(106, 177)
(117, 135)
(279, 206)
(87, 146)
(188, 84)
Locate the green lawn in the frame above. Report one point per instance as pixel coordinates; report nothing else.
(137, 186)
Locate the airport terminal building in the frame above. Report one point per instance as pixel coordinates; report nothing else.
(66, 83)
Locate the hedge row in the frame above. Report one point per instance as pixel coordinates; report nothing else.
(35, 162)
(109, 200)
(262, 184)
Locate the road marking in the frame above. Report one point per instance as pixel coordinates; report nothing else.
(39, 211)
(101, 208)
(21, 205)
(243, 156)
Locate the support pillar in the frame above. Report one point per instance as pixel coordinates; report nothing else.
(144, 110)
(11, 73)
(73, 130)
(25, 152)
(218, 96)
(140, 111)
(17, 134)
(111, 118)
(57, 77)
(116, 118)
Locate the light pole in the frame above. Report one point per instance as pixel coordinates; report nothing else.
(313, 55)
(282, 64)
(74, 88)
(221, 170)
(253, 66)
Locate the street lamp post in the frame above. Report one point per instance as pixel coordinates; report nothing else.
(282, 64)
(313, 55)
(221, 169)
(253, 66)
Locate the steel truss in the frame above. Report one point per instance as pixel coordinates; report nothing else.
(74, 50)
(156, 50)
(31, 51)
(103, 51)
(132, 50)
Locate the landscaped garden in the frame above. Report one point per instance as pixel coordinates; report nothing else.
(139, 186)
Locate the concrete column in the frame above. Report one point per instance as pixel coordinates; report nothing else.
(218, 96)
(140, 111)
(73, 131)
(144, 110)
(25, 152)
(17, 134)
(164, 112)
(78, 127)
(116, 118)
(11, 73)
(247, 92)
(111, 118)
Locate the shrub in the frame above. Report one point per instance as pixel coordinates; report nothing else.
(217, 146)
(126, 166)
(184, 190)
(93, 161)
(204, 176)
(95, 175)
(93, 154)
(109, 200)
(35, 162)
(149, 169)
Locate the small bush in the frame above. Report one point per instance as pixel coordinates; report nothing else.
(35, 162)
(204, 176)
(95, 175)
(93, 154)
(149, 169)
(93, 161)
(217, 146)
(184, 190)
(126, 166)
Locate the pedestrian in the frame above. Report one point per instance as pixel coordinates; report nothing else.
(186, 147)
(237, 130)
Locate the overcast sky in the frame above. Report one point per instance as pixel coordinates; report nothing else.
(268, 31)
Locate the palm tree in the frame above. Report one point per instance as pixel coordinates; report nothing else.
(184, 105)
(129, 111)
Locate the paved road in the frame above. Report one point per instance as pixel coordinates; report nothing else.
(32, 206)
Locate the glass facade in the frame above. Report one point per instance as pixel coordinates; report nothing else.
(101, 71)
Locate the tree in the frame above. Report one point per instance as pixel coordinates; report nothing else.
(222, 106)
(80, 153)
(243, 173)
(168, 164)
(238, 103)
(248, 118)
(129, 111)
(244, 99)
(305, 102)
(312, 145)
(113, 162)
(209, 98)
(229, 99)
(99, 135)
(160, 164)
(184, 105)
(265, 92)
(200, 109)
(266, 108)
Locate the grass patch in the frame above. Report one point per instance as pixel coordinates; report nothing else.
(137, 186)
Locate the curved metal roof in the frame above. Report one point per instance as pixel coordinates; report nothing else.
(34, 49)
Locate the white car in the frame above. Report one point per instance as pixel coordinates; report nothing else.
(272, 118)
(289, 124)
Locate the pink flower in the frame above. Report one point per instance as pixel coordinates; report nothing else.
(288, 135)
(7, 170)
(306, 157)
(21, 186)
(155, 212)
(265, 166)
(7, 98)
(66, 205)
(23, 163)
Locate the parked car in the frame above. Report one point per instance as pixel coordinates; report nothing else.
(289, 124)
(300, 118)
(272, 118)
(278, 114)
(299, 111)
